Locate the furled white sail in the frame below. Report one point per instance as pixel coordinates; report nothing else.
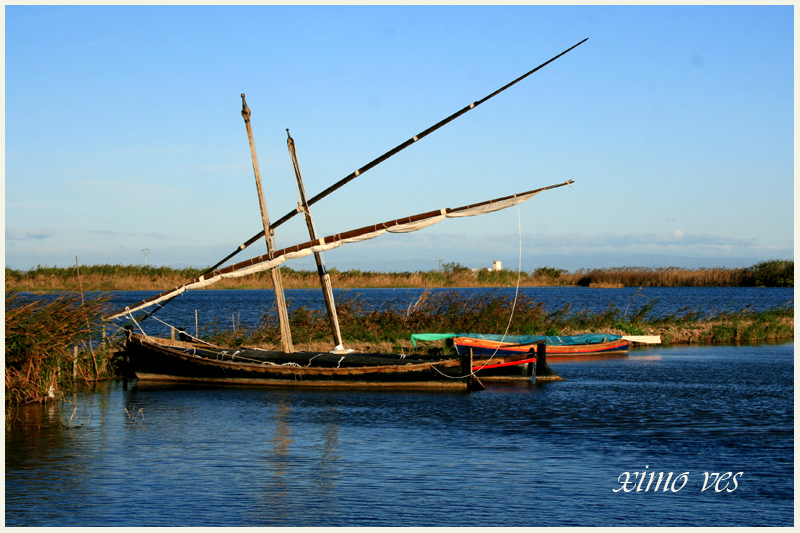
(266, 262)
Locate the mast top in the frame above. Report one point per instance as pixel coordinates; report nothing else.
(245, 110)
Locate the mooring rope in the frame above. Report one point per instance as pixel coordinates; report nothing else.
(516, 292)
(130, 314)
(184, 332)
(513, 307)
(309, 361)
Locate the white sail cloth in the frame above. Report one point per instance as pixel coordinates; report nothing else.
(328, 243)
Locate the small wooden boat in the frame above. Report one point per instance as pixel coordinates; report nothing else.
(557, 346)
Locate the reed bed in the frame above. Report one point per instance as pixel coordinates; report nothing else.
(453, 312)
(99, 278)
(41, 336)
(773, 273)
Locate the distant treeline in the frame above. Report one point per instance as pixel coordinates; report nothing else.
(772, 273)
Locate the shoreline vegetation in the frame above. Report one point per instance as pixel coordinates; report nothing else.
(772, 273)
(55, 342)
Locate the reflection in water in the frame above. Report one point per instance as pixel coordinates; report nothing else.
(328, 458)
(238, 456)
(277, 491)
(583, 358)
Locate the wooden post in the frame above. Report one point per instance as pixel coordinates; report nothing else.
(466, 366)
(541, 353)
(530, 371)
(277, 281)
(324, 277)
(171, 333)
(544, 372)
(472, 381)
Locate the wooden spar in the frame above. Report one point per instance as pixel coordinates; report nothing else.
(360, 232)
(387, 155)
(324, 277)
(330, 241)
(277, 282)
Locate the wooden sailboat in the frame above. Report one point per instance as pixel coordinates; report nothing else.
(194, 360)
(155, 358)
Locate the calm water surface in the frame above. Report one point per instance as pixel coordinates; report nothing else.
(132, 454)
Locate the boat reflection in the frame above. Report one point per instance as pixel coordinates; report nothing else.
(558, 359)
(647, 358)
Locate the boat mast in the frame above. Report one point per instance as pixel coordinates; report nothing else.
(277, 281)
(324, 277)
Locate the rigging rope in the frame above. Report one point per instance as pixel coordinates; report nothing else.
(513, 305)
(516, 292)
(130, 314)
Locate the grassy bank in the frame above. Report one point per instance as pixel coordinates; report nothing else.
(774, 273)
(451, 312)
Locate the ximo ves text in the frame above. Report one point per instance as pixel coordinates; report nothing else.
(645, 481)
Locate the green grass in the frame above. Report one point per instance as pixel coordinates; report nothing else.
(453, 312)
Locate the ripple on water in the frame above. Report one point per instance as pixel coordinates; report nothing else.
(546, 454)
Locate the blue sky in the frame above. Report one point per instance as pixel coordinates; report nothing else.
(123, 132)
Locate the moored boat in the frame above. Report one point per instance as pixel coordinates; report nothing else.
(557, 345)
(158, 359)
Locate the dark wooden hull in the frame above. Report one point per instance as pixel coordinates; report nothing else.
(156, 359)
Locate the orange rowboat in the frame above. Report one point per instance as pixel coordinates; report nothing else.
(489, 347)
(557, 345)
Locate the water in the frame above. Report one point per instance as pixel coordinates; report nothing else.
(246, 307)
(512, 455)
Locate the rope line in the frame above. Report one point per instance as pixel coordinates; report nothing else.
(130, 314)
(513, 307)
(184, 332)
(516, 292)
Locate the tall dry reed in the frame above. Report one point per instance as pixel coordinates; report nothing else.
(773, 273)
(41, 334)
